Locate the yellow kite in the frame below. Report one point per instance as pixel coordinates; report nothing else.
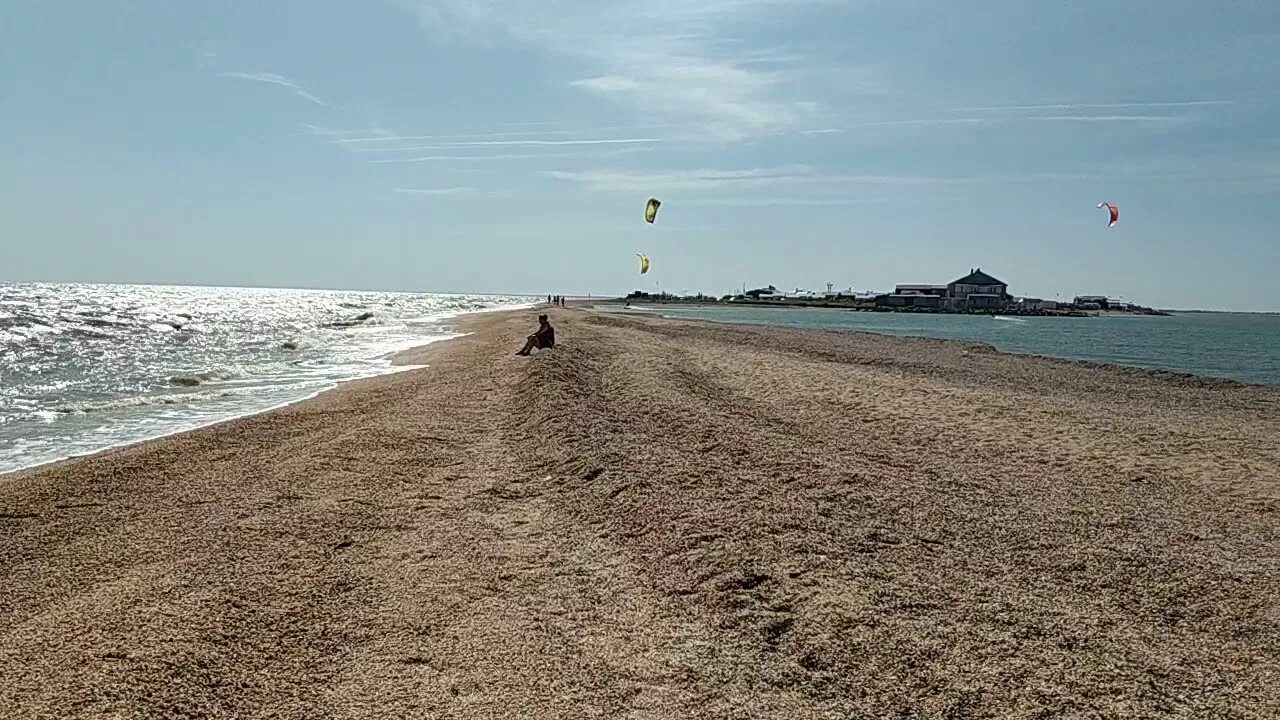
(644, 263)
(651, 210)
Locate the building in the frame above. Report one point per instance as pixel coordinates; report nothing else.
(977, 291)
(767, 292)
(918, 289)
(1098, 301)
(1027, 304)
(916, 300)
(976, 283)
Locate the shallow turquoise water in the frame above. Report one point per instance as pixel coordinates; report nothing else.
(1239, 346)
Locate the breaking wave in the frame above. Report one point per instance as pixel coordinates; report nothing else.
(83, 367)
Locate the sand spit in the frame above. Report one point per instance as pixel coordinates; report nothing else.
(665, 519)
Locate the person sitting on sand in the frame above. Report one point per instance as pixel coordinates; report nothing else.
(543, 339)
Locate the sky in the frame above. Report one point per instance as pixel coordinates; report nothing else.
(510, 146)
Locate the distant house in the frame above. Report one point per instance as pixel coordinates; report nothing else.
(977, 283)
(977, 291)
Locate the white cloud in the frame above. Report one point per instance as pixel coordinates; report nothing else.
(273, 79)
(670, 57)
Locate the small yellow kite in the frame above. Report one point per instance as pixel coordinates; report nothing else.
(651, 210)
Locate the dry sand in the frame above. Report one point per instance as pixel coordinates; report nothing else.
(666, 519)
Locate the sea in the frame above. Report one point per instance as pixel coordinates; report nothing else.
(86, 367)
(1239, 346)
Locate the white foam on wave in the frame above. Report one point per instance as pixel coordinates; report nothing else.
(321, 359)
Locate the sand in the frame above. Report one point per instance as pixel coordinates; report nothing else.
(664, 519)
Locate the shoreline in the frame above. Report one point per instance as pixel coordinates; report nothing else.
(394, 365)
(404, 360)
(669, 519)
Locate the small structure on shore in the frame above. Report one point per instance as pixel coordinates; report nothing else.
(975, 291)
(978, 291)
(1034, 305)
(1106, 303)
(766, 293)
(1090, 302)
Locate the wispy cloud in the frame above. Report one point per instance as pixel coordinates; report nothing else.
(922, 121)
(273, 79)
(775, 201)
(379, 136)
(976, 121)
(434, 191)
(692, 181)
(662, 181)
(505, 156)
(1104, 118)
(629, 55)
(513, 143)
(1096, 106)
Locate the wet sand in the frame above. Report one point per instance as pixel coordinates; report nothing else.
(664, 519)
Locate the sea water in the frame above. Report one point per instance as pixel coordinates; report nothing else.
(1240, 346)
(86, 367)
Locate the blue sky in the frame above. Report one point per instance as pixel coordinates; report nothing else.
(503, 145)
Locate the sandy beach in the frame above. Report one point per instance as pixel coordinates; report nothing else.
(665, 519)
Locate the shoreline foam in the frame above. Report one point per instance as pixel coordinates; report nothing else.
(393, 365)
